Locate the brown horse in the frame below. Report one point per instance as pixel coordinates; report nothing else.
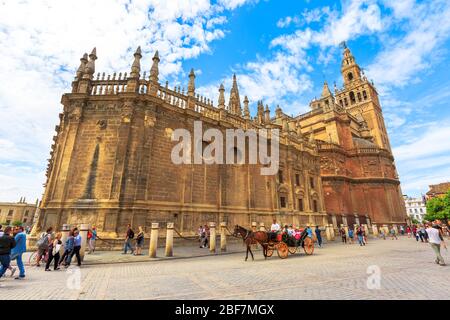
(250, 238)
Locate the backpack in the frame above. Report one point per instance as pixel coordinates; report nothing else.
(42, 243)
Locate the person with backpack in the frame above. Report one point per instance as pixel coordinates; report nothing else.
(7, 243)
(68, 248)
(92, 236)
(360, 234)
(42, 245)
(128, 240)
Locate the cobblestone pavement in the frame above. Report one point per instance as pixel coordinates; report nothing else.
(407, 271)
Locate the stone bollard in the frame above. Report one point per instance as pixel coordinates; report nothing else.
(169, 240)
(223, 236)
(254, 224)
(328, 232)
(333, 235)
(212, 237)
(83, 233)
(153, 240)
(374, 230)
(64, 235)
(262, 227)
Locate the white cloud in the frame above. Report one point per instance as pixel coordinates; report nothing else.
(41, 42)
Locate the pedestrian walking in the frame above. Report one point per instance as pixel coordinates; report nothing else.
(42, 245)
(91, 237)
(7, 243)
(76, 247)
(129, 236)
(436, 242)
(402, 230)
(393, 234)
(53, 252)
(139, 241)
(16, 253)
(350, 236)
(360, 235)
(364, 233)
(408, 231)
(68, 248)
(343, 235)
(318, 236)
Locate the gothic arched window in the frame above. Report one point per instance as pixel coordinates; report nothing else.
(350, 76)
(352, 97)
(359, 96)
(364, 95)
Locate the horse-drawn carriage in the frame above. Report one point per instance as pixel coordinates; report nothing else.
(285, 244)
(282, 242)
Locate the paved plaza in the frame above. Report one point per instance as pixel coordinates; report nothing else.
(406, 271)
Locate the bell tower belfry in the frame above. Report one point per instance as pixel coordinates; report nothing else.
(360, 98)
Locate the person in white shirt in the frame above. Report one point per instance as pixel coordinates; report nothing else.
(435, 242)
(275, 226)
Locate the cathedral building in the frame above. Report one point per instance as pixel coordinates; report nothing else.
(111, 165)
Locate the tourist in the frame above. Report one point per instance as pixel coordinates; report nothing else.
(68, 248)
(291, 231)
(364, 233)
(393, 234)
(402, 230)
(53, 252)
(76, 247)
(350, 236)
(408, 231)
(17, 252)
(436, 242)
(7, 243)
(343, 235)
(200, 235)
(275, 227)
(318, 236)
(382, 233)
(205, 236)
(360, 235)
(92, 237)
(128, 238)
(42, 245)
(422, 233)
(139, 241)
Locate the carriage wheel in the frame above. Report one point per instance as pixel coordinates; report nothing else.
(292, 250)
(282, 250)
(269, 251)
(308, 246)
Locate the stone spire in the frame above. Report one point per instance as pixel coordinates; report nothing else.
(299, 130)
(89, 70)
(154, 71)
(81, 68)
(349, 69)
(260, 115)
(191, 85)
(235, 101)
(278, 112)
(246, 109)
(136, 66)
(153, 78)
(326, 91)
(221, 101)
(311, 136)
(267, 114)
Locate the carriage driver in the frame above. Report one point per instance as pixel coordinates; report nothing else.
(274, 229)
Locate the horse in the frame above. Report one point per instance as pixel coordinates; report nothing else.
(250, 238)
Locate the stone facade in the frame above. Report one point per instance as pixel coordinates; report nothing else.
(18, 211)
(110, 162)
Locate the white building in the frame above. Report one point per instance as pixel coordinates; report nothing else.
(415, 208)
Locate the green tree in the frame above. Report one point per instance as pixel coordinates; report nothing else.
(438, 208)
(16, 223)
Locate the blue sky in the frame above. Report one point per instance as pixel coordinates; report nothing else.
(281, 51)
